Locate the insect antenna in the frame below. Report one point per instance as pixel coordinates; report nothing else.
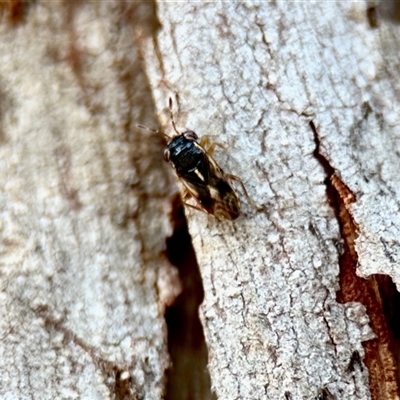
(172, 116)
(146, 128)
(151, 130)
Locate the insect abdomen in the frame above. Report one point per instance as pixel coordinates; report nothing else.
(227, 204)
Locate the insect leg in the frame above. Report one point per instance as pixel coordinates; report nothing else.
(237, 179)
(193, 206)
(187, 195)
(210, 146)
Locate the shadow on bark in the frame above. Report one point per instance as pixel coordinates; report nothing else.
(188, 377)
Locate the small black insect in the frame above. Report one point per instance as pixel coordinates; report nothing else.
(203, 178)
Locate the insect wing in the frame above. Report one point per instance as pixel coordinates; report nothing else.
(227, 204)
(209, 187)
(197, 183)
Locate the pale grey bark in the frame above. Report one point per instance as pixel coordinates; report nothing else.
(86, 199)
(84, 210)
(254, 75)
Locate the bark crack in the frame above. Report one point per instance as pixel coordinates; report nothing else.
(377, 293)
(188, 376)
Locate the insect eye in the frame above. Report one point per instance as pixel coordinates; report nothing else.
(166, 155)
(190, 135)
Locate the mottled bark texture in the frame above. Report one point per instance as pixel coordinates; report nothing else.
(100, 286)
(299, 300)
(84, 207)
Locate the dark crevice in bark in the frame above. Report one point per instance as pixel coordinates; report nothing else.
(15, 11)
(373, 16)
(188, 377)
(123, 385)
(377, 293)
(119, 381)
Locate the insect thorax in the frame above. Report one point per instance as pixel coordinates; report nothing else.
(185, 155)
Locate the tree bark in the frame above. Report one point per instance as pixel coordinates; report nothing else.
(306, 100)
(84, 208)
(300, 299)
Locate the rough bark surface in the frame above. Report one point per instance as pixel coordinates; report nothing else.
(84, 208)
(87, 203)
(254, 75)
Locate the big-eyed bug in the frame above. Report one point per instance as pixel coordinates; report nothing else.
(203, 178)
